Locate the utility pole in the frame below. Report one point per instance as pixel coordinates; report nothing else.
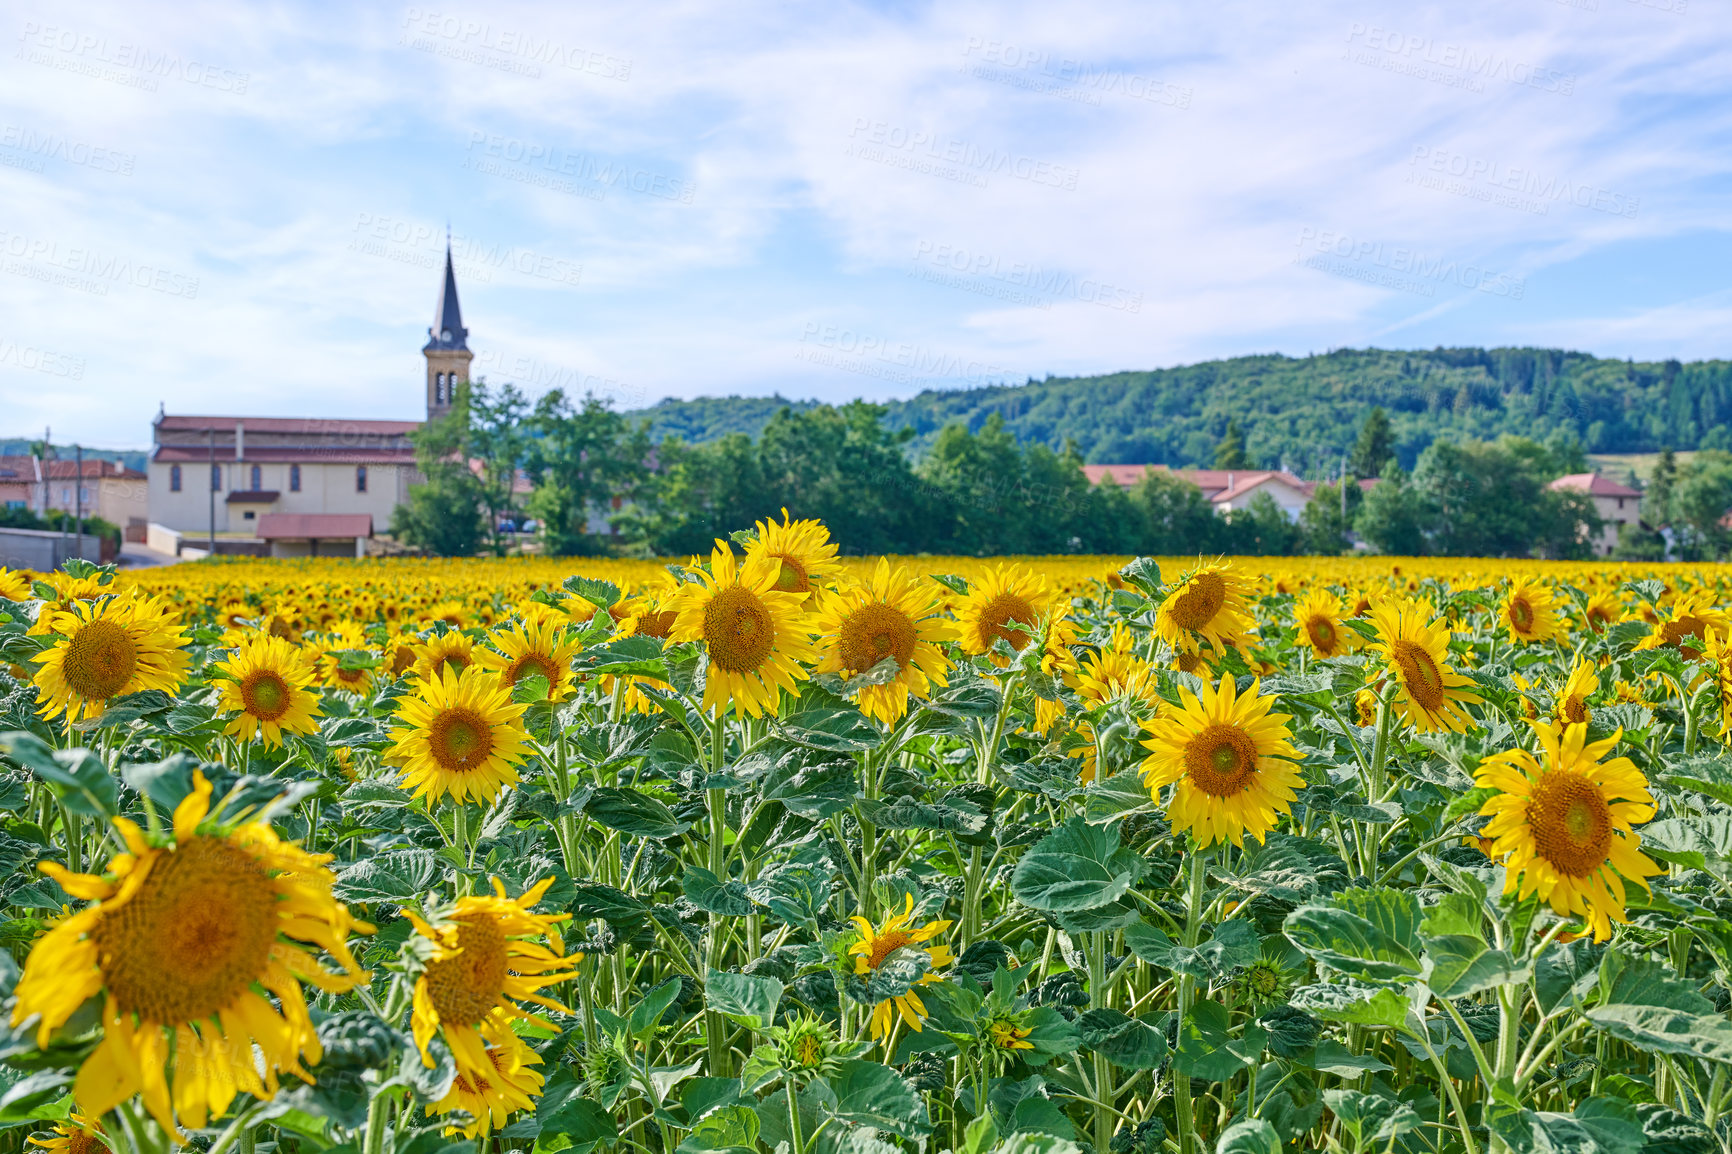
(1342, 482)
(213, 489)
(78, 501)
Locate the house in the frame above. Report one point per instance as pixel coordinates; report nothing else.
(298, 486)
(1228, 490)
(1617, 504)
(105, 489)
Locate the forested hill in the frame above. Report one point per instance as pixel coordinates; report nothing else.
(1303, 409)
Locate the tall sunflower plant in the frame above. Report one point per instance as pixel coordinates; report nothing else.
(778, 848)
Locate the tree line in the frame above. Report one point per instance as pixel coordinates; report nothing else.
(595, 483)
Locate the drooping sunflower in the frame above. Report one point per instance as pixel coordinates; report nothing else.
(1112, 673)
(453, 651)
(1208, 605)
(757, 634)
(109, 648)
(1564, 827)
(68, 591)
(1603, 610)
(1529, 610)
(271, 688)
(15, 585)
(490, 1096)
(351, 678)
(802, 549)
(461, 735)
(1006, 604)
(483, 965)
(1687, 624)
(873, 947)
(1718, 655)
(892, 615)
(1415, 646)
(533, 648)
(641, 616)
(197, 949)
(76, 1135)
(1318, 617)
(1572, 704)
(1229, 760)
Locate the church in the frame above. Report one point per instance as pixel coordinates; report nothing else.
(296, 486)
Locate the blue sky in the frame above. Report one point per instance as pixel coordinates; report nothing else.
(240, 208)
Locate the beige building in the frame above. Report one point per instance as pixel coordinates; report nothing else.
(106, 489)
(1228, 490)
(294, 486)
(1617, 504)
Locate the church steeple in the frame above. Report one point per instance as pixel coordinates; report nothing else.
(447, 347)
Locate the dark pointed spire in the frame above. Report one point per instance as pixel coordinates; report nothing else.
(448, 331)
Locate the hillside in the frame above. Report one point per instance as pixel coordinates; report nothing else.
(1305, 411)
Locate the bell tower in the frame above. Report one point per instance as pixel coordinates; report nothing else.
(447, 347)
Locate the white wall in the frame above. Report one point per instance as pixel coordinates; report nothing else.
(325, 488)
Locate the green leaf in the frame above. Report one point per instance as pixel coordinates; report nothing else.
(1638, 980)
(634, 656)
(730, 1129)
(825, 721)
(562, 1109)
(1706, 774)
(1459, 961)
(1598, 1126)
(647, 1014)
(872, 1094)
(132, 707)
(1076, 867)
(1207, 1051)
(1371, 1117)
(1134, 1043)
(1118, 796)
(749, 999)
(601, 594)
(632, 812)
(401, 877)
(704, 891)
(1144, 575)
(1368, 934)
(1355, 1003)
(1663, 1030)
(76, 776)
(1697, 842)
(1234, 944)
(1251, 1137)
(1567, 971)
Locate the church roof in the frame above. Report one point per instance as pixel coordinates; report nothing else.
(447, 331)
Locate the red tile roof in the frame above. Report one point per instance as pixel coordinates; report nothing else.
(252, 497)
(1216, 484)
(299, 425)
(25, 468)
(272, 454)
(310, 526)
(1594, 485)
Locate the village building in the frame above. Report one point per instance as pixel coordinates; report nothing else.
(1616, 504)
(1228, 490)
(297, 486)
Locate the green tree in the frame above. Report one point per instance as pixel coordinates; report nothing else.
(1176, 518)
(498, 450)
(1657, 502)
(446, 512)
(1262, 529)
(1326, 519)
(1230, 453)
(1701, 498)
(1375, 447)
(584, 458)
(1395, 515)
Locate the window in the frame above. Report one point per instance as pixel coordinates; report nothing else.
(294, 478)
(174, 479)
(438, 388)
(248, 515)
(257, 479)
(360, 478)
(216, 478)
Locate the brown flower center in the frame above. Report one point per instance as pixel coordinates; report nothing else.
(101, 658)
(793, 577)
(1688, 625)
(1571, 823)
(873, 632)
(657, 625)
(1003, 610)
(197, 933)
(467, 985)
(739, 630)
(1221, 761)
(1420, 675)
(531, 665)
(1521, 615)
(1201, 599)
(1576, 710)
(459, 739)
(1322, 633)
(885, 944)
(265, 695)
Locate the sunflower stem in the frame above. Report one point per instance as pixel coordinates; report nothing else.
(1182, 1107)
(714, 1028)
(1103, 1072)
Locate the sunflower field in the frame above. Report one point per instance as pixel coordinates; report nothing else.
(779, 851)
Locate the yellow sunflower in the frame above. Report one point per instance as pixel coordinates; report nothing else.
(461, 735)
(1112, 673)
(1208, 605)
(1415, 646)
(68, 591)
(483, 965)
(15, 585)
(453, 651)
(1603, 610)
(355, 679)
(197, 950)
(641, 616)
(271, 690)
(1318, 618)
(1006, 604)
(533, 648)
(490, 1096)
(756, 634)
(77, 1135)
(1229, 760)
(873, 947)
(109, 649)
(1687, 624)
(1718, 654)
(1529, 611)
(1572, 704)
(892, 615)
(1564, 828)
(805, 555)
